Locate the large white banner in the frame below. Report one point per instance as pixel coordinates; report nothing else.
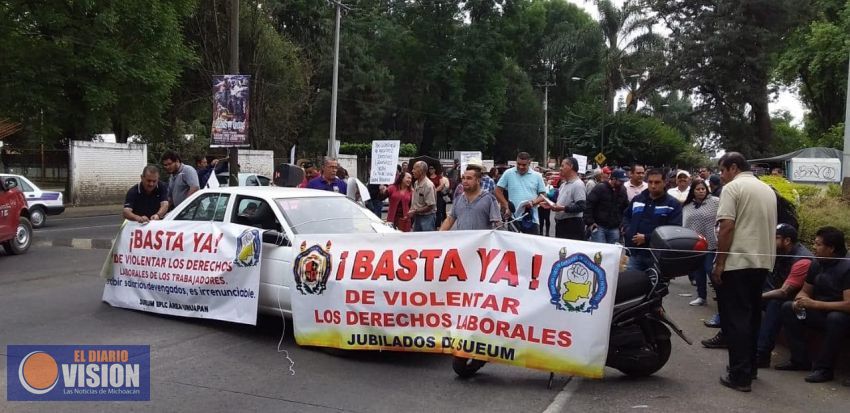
(187, 268)
(537, 302)
(384, 161)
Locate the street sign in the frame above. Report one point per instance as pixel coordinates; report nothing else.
(600, 158)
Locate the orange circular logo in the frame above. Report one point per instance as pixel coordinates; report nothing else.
(38, 372)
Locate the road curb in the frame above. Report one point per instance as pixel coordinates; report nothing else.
(79, 243)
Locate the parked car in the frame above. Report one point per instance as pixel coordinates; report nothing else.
(40, 203)
(281, 213)
(245, 179)
(15, 226)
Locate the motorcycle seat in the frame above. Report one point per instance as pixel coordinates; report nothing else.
(632, 284)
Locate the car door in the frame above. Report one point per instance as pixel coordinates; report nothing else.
(6, 227)
(276, 265)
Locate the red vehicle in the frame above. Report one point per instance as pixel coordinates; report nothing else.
(15, 226)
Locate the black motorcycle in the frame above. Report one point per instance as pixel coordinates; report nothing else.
(640, 329)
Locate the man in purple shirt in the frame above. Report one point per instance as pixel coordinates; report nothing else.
(328, 180)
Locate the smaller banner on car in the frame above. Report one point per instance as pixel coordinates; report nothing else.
(384, 161)
(231, 110)
(536, 302)
(187, 268)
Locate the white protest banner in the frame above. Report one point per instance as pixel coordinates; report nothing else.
(464, 158)
(187, 268)
(536, 302)
(384, 161)
(582, 163)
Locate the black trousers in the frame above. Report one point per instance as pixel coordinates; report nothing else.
(835, 325)
(570, 228)
(739, 298)
(545, 223)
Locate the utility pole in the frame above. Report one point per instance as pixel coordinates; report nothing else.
(233, 152)
(846, 161)
(332, 140)
(546, 87)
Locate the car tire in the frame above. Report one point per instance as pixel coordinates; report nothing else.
(38, 217)
(23, 238)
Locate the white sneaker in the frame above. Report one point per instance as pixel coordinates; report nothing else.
(698, 301)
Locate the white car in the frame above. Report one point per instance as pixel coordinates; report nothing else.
(281, 213)
(40, 203)
(245, 179)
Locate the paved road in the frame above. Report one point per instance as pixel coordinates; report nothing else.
(52, 296)
(97, 227)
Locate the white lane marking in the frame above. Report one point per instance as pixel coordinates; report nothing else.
(81, 243)
(78, 228)
(560, 401)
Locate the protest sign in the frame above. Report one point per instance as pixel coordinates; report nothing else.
(464, 158)
(186, 268)
(231, 101)
(536, 302)
(384, 161)
(582, 163)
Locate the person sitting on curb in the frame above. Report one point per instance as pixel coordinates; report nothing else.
(824, 303)
(793, 263)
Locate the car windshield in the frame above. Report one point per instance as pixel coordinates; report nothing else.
(326, 215)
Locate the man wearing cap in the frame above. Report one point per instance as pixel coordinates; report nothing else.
(682, 188)
(793, 261)
(525, 191)
(571, 203)
(605, 206)
(599, 175)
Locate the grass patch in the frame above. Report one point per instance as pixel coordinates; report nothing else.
(820, 211)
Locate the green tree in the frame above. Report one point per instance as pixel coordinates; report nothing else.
(73, 69)
(726, 51)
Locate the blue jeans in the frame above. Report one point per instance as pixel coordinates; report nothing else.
(771, 322)
(605, 235)
(639, 261)
(423, 223)
(701, 274)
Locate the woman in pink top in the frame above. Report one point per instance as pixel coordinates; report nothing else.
(400, 196)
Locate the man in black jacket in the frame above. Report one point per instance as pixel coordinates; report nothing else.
(605, 206)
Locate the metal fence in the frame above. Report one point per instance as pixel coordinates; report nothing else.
(44, 166)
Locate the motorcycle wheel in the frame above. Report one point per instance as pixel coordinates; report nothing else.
(662, 349)
(466, 368)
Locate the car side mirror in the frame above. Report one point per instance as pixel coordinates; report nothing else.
(276, 238)
(10, 183)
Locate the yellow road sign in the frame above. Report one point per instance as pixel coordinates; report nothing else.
(600, 158)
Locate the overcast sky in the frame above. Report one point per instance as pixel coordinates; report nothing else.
(786, 100)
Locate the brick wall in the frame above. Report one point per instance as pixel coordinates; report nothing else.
(349, 162)
(101, 173)
(256, 162)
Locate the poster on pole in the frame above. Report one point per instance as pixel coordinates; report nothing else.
(582, 163)
(384, 161)
(231, 109)
(186, 268)
(529, 301)
(464, 158)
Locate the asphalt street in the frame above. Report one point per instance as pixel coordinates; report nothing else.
(94, 227)
(53, 296)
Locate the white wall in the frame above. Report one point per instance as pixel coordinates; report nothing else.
(349, 162)
(101, 173)
(256, 162)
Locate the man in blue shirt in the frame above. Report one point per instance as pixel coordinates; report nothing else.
(648, 210)
(525, 191)
(328, 180)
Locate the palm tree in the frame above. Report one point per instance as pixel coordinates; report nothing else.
(634, 55)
